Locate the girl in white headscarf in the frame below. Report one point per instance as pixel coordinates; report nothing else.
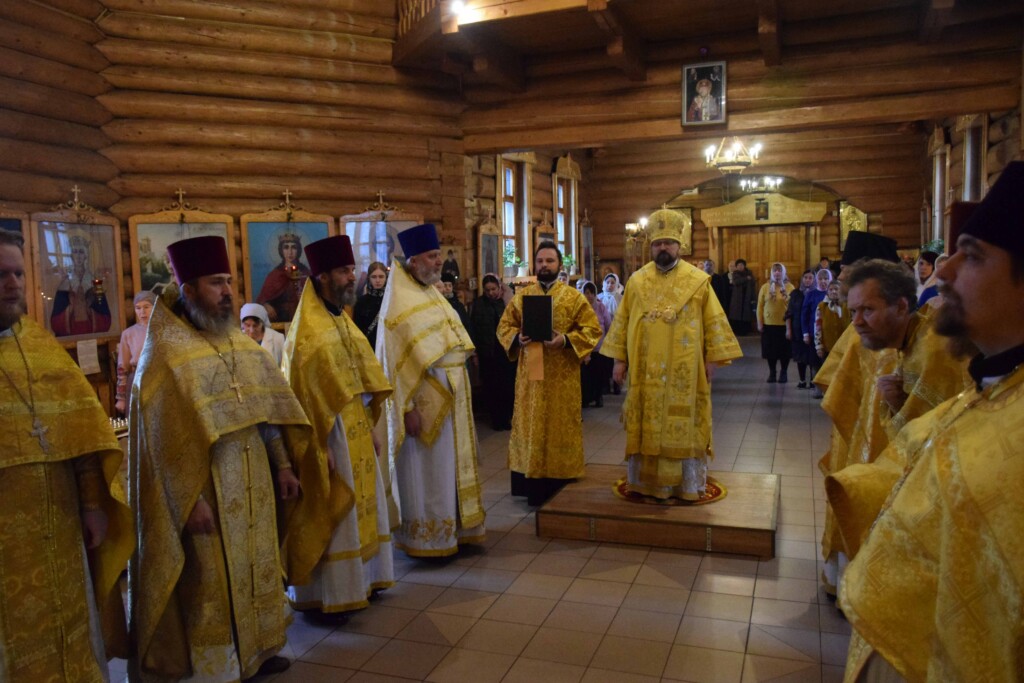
(612, 294)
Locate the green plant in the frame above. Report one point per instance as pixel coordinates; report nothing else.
(510, 258)
(568, 260)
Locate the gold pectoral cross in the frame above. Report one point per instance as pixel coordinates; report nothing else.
(39, 431)
(238, 390)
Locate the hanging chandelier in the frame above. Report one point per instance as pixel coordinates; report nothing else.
(760, 184)
(731, 156)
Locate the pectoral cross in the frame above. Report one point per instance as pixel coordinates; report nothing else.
(238, 390)
(39, 431)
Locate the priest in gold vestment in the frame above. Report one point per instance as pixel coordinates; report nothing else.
(66, 530)
(432, 447)
(546, 446)
(667, 333)
(210, 415)
(332, 370)
(935, 593)
(896, 369)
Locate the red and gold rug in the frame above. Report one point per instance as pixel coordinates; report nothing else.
(713, 492)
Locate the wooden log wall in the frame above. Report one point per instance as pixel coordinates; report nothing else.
(848, 95)
(50, 119)
(882, 170)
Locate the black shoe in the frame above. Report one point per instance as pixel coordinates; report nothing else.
(783, 378)
(801, 385)
(274, 665)
(616, 390)
(771, 379)
(599, 403)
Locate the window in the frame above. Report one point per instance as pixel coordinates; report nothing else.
(565, 223)
(511, 190)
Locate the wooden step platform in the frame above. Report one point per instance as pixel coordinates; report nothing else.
(743, 522)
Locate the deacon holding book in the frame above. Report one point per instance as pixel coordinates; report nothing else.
(431, 438)
(667, 335)
(550, 328)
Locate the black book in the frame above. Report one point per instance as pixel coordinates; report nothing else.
(537, 317)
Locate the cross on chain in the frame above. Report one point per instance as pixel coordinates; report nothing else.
(238, 390)
(39, 431)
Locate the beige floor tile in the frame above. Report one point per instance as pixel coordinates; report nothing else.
(783, 588)
(559, 645)
(622, 553)
(556, 565)
(702, 665)
(520, 609)
(631, 655)
(303, 635)
(408, 595)
(796, 532)
(463, 602)
(501, 524)
(666, 575)
(436, 628)
(728, 564)
(579, 616)
(540, 586)
(832, 620)
(535, 670)
(368, 677)
(435, 574)
(563, 546)
(498, 636)
(784, 643)
(686, 558)
(834, 648)
(717, 634)
(406, 658)
(606, 676)
(801, 550)
(350, 650)
(460, 666)
(757, 668)
(596, 592)
(732, 584)
(509, 560)
(380, 620)
(304, 672)
(610, 570)
(771, 612)
(719, 606)
(657, 599)
(486, 579)
(789, 567)
(522, 542)
(657, 626)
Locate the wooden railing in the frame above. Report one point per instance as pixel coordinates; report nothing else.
(411, 11)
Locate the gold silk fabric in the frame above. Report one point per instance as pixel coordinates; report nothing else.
(863, 424)
(547, 423)
(43, 572)
(423, 331)
(191, 436)
(668, 326)
(832, 325)
(330, 366)
(937, 587)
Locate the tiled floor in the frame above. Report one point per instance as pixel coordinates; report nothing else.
(531, 610)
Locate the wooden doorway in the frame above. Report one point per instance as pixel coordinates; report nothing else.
(762, 245)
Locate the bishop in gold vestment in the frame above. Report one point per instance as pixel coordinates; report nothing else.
(547, 421)
(208, 411)
(432, 446)
(864, 421)
(334, 374)
(667, 330)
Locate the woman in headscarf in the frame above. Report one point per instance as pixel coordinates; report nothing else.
(612, 294)
(925, 273)
(596, 370)
(795, 331)
(364, 313)
(822, 279)
(772, 302)
(130, 347)
(497, 372)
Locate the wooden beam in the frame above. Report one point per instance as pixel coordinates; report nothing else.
(768, 31)
(935, 14)
(419, 41)
(491, 60)
(625, 48)
(480, 11)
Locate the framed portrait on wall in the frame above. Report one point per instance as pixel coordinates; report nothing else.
(703, 89)
(606, 267)
(149, 235)
(77, 264)
(273, 262)
(17, 221)
(488, 251)
(452, 265)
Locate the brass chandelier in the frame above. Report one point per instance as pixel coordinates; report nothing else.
(731, 156)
